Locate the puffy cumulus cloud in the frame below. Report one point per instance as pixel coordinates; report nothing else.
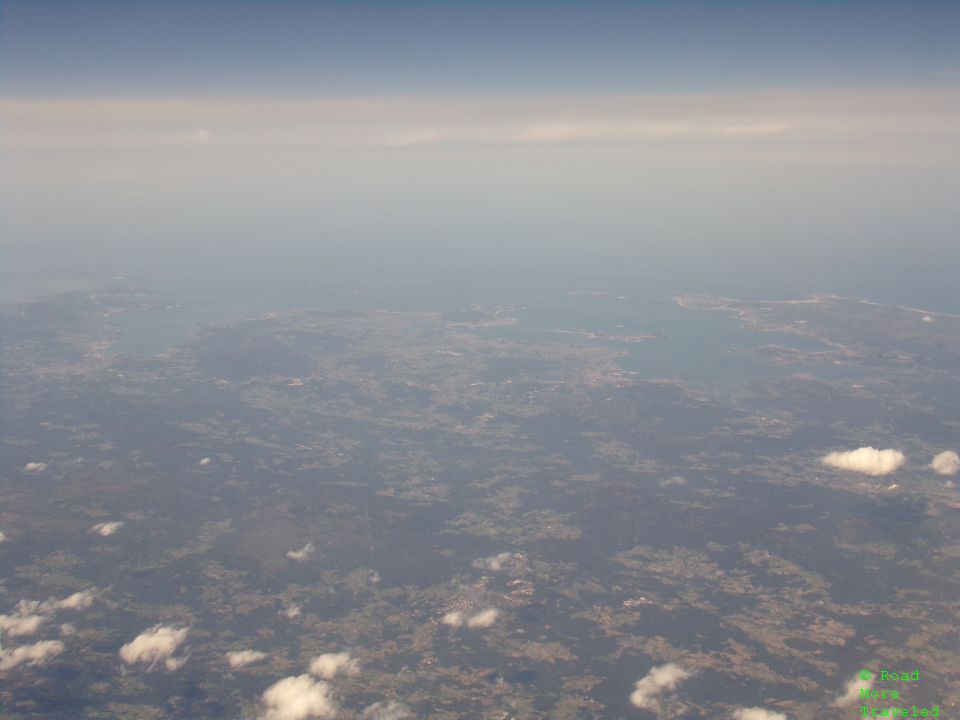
(241, 658)
(386, 711)
(453, 619)
(866, 460)
(328, 665)
(493, 563)
(173, 664)
(31, 614)
(292, 612)
(107, 528)
(757, 714)
(945, 463)
(851, 691)
(3, 537)
(156, 645)
(303, 553)
(66, 630)
(205, 461)
(659, 680)
(298, 698)
(36, 654)
(78, 601)
(21, 624)
(483, 619)
(34, 467)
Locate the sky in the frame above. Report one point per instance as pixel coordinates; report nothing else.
(807, 145)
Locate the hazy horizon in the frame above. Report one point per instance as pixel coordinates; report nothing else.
(809, 148)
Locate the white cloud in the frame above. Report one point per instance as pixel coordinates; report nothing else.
(172, 664)
(866, 460)
(241, 658)
(494, 563)
(328, 665)
(35, 467)
(757, 714)
(66, 630)
(3, 537)
(292, 612)
(302, 554)
(483, 619)
(36, 654)
(21, 624)
(107, 528)
(764, 119)
(200, 136)
(391, 710)
(603, 131)
(659, 680)
(453, 619)
(851, 692)
(78, 601)
(204, 462)
(155, 645)
(298, 698)
(423, 136)
(946, 463)
(31, 614)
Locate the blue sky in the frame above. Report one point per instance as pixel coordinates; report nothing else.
(54, 48)
(806, 142)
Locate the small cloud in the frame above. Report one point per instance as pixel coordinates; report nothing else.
(34, 467)
(204, 462)
(298, 698)
(21, 624)
(78, 601)
(241, 658)
(928, 319)
(866, 460)
(3, 537)
(31, 614)
(417, 137)
(757, 714)
(494, 563)
(66, 630)
(292, 612)
(753, 129)
(593, 131)
(107, 528)
(200, 136)
(172, 664)
(851, 692)
(386, 711)
(155, 645)
(946, 463)
(659, 680)
(453, 619)
(302, 554)
(328, 665)
(36, 654)
(483, 619)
